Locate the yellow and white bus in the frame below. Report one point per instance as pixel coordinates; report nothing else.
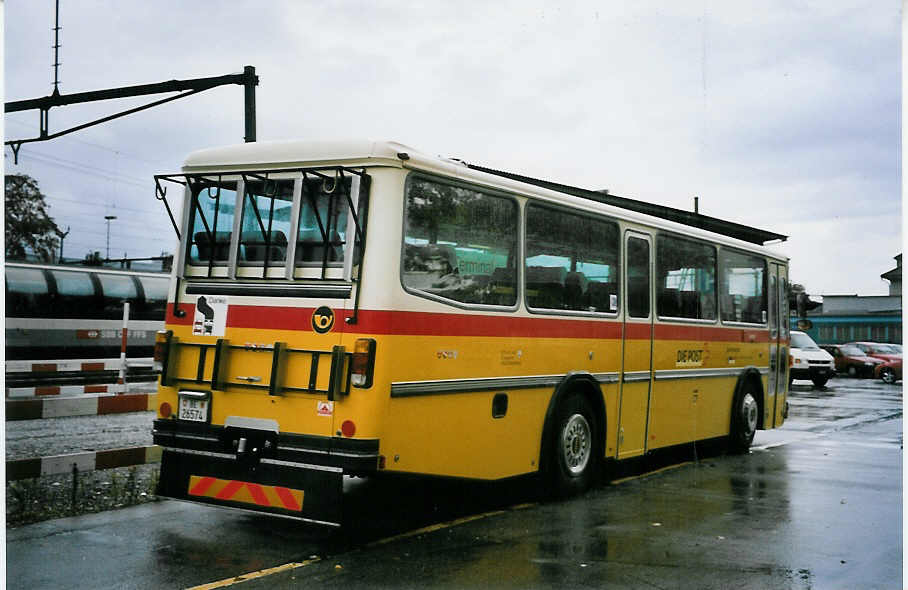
(359, 307)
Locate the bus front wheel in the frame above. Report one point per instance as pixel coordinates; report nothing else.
(573, 460)
(744, 415)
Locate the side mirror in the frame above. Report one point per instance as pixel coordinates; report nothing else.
(804, 325)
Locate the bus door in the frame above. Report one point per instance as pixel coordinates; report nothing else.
(778, 345)
(637, 361)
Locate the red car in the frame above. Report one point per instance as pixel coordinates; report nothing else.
(851, 360)
(889, 371)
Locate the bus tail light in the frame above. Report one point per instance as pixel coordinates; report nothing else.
(362, 363)
(165, 410)
(161, 348)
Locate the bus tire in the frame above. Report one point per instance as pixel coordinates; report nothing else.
(819, 381)
(745, 414)
(573, 460)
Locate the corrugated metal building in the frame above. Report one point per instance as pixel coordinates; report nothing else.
(848, 318)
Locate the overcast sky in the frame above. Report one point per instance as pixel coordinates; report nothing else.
(780, 115)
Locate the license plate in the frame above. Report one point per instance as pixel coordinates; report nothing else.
(193, 410)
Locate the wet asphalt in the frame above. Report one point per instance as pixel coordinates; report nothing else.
(816, 504)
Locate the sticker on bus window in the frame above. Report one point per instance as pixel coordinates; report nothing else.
(613, 302)
(210, 315)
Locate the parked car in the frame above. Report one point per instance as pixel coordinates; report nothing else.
(851, 360)
(890, 370)
(809, 361)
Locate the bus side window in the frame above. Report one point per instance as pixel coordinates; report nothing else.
(685, 279)
(459, 243)
(571, 261)
(743, 288)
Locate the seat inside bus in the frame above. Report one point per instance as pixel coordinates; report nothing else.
(253, 248)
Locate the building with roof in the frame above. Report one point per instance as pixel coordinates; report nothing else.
(849, 318)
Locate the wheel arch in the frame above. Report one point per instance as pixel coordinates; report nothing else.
(587, 385)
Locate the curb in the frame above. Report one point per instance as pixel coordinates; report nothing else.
(92, 461)
(35, 409)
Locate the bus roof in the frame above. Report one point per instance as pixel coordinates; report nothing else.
(288, 154)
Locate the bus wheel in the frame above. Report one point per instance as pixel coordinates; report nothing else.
(888, 375)
(820, 381)
(744, 414)
(573, 461)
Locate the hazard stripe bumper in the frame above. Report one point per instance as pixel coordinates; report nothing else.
(272, 487)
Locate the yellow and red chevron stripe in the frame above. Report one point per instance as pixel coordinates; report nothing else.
(246, 492)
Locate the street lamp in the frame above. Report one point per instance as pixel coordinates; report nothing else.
(109, 218)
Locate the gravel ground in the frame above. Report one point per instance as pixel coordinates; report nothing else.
(26, 439)
(43, 498)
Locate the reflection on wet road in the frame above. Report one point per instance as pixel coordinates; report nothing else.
(817, 504)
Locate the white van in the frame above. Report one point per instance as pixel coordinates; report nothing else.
(809, 361)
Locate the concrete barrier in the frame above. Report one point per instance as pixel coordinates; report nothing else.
(59, 464)
(35, 409)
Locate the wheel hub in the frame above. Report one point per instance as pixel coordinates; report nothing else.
(576, 445)
(750, 408)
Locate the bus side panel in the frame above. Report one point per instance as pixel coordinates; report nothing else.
(455, 433)
(696, 408)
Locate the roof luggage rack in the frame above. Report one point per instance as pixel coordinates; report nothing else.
(713, 224)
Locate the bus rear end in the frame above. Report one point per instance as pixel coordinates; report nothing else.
(264, 398)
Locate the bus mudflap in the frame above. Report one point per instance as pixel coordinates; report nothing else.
(308, 493)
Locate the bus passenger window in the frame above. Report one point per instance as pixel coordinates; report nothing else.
(685, 279)
(742, 292)
(459, 244)
(571, 261)
(212, 213)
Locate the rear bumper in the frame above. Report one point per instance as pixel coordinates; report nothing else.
(289, 491)
(353, 456)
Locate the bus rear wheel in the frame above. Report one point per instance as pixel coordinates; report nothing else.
(744, 416)
(573, 461)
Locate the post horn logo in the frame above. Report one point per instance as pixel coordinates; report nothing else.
(323, 319)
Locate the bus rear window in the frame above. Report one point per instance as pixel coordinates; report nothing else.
(266, 221)
(213, 208)
(460, 244)
(323, 222)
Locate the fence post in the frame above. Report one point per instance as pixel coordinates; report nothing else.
(121, 380)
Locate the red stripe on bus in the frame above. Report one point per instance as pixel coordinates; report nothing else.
(44, 367)
(52, 390)
(92, 366)
(95, 389)
(414, 323)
